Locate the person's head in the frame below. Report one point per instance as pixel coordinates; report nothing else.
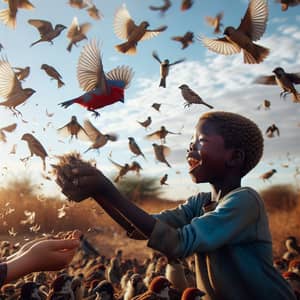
(224, 143)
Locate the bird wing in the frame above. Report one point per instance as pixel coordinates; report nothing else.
(123, 23)
(210, 20)
(149, 34)
(112, 137)
(122, 75)
(74, 28)
(255, 19)
(115, 164)
(177, 38)
(9, 83)
(42, 26)
(269, 80)
(90, 73)
(165, 150)
(153, 136)
(294, 77)
(91, 130)
(220, 45)
(155, 55)
(10, 128)
(25, 5)
(177, 62)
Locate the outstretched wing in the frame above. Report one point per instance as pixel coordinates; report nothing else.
(269, 80)
(42, 26)
(294, 77)
(149, 34)
(10, 128)
(121, 75)
(91, 130)
(220, 45)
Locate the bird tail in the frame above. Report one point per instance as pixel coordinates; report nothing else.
(209, 106)
(296, 97)
(7, 18)
(60, 83)
(126, 48)
(66, 104)
(256, 55)
(69, 48)
(162, 82)
(34, 43)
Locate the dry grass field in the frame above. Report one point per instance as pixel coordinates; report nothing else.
(282, 203)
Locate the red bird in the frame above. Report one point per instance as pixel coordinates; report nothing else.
(101, 88)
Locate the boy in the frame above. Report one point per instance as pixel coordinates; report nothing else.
(226, 229)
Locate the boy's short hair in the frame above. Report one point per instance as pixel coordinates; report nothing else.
(241, 133)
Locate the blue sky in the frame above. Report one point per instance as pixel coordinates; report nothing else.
(223, 81)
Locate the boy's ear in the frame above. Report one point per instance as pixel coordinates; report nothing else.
(237, 158)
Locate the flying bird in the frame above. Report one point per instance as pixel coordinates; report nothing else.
(135, 167)
(160, 153)
(122, 170)
(271, 130)
(191, 97)
(22, 73)
(9, 128)
(251, 28)
(163, 8)
(285, 4)
(156, 106)
(284, 80)
(94, 12)
(101, 88)
(163, 180)
(134, 147)
(11, 88)
(160, 134)
(77, 32)
(215, 22)
(266, 105)
(8, 16)
(51, 71)
(73, 129)
(98, 139)
(146, 123)
(164, 67)
(80, 4)
(35, 148)
(185, 40)
(186, 4)
(126, 29)
(46, 30)
(267, 175)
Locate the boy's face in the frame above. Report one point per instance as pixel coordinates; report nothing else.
(207, 155)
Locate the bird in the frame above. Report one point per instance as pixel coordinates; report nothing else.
(122, 169)
(156, 106)
(77, 32)
(271, 130)
(164, 67)
(52, 72)
(191, 97)
(251, 28)
(22, 73)
(163, 8)
(186, 4)
(80, 4)
(284, 80)
(134, 147)
(163, 180)
(160, 134)
(293, 249)
(101, 88)
(9, 128)
(11, 88)
(160, 152)
(98, 139)
(73, 129)
(215, 22)
(35, 148)
(185, 40)
(135, 167)
(8, 16)
(267, 175)
(126, 29)
(285, 4)
(1, 47)
(266, 105)
(94, 12)
(192, 293)
(46, 30)
(146, 123)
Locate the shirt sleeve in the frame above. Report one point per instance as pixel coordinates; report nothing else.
(209, 231)
(3, 273)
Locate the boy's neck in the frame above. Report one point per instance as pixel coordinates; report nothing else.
(219, 190)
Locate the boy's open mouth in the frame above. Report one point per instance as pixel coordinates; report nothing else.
(193, 162)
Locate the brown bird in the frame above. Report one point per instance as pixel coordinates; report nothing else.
(185, 40)
(191, 97)
(80, 4)
(134, 147)
(74, 129)
(51, 71)
(126, 29)
(146, 123)
(35, 147)
(135, 167)
(11, 88)
(266, 105)
(284, 80)
(163, 180)
(160, 134)
(156, 106)
(186, 4)
(8, 16)
(285, 4)
(9, 128)
(160, 152)
(22, 73)
(164, 67)
(122, 170)
(267, 175)
(251, 28)
(215, 22)
(94, 12)
(163, 8)
(46, 30)
(98, 139)
(271, 130)
(77, 33)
